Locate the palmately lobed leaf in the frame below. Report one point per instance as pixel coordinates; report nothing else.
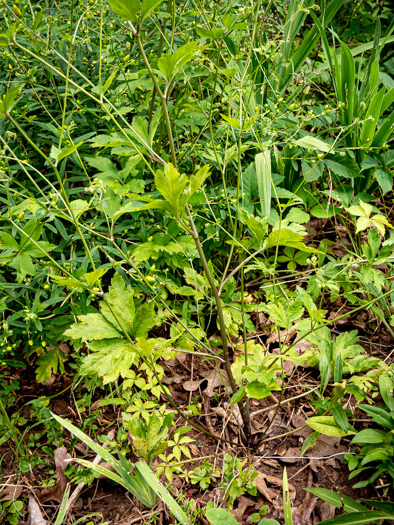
(92, 327)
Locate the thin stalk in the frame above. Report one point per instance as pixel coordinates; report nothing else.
(196, 238)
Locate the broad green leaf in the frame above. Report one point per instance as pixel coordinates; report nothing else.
(23, 265)
(9, 99)
(371, 118)
(385, 180)
(126, 9)
(93, 277)
(264, 181)
(8, 241)
(47, 364)
(369, 436)
(297, 215)
(340, 416)
(144, 320)
(110, 359)
(147, 6)
(4, 42)
(309, 442)
(67, 151)
(220, 517)
(78, 207)
(118, 305)
(379, 415)
(238, 396)
(337, 500)
(197, 180)
(386, 388)
(257, 225)
(169, 65)
(92, 327)
(232, 121)
(358, 518)
(256, 390)
(171, 184)
(310, 142)
(70, 282)
(215, 34)
(286, 237)
(385, 506)
(328, 426)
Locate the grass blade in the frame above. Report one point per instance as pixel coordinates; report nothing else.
(264, 183)
(162, 492)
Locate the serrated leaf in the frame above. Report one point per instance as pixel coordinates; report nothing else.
(110, 359)
(92, 327)
(144, 320)
(47, 364)
(93, 277)
(171, 184)
(118, 307)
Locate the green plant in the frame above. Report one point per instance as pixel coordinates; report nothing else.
(355, 513)
(377, 450)
(11, 511)
(204, 475)
(237, 479)
(140, 481)
(148, 435)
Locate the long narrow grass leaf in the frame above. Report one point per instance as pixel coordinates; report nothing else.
(264, 182)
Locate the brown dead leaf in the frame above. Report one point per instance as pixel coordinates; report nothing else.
(326, 510)
(169, 380)
(35, 514)
(61, 463)
(214, 379)
(278, 482)
(243, 504)
(10, 492)
(292, 455)
(325, 446)
(262, 487)
(233, 413)
(302, 514)
(298, 420)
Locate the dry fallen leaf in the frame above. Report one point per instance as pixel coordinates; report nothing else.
(278, 482)
(302, 514)
(35, 514)
(56, 494)
(214, 379)
(243, 504)
(326, 510)
(263, 489)
(10, 492)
